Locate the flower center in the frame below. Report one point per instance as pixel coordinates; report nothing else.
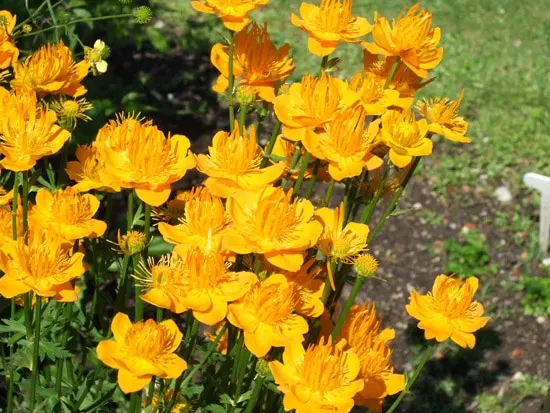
(323, 368)
(148, 340)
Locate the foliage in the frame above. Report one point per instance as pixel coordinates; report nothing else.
(469, 255)
(536, 301)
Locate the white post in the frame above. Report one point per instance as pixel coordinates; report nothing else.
(542, 184)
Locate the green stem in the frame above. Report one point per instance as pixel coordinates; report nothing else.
(135, 401)
(33, 15)
(242, 121)
(36, 351)
(54, 19)
(90, 19)
(425, 357)
(301, 173)
(258, 386)
(312, 180)
(64, 158)
(271, 143)
(328, 194)
(151, 392)
(369, 209)
(293, 162)
(123, 285)
(392, 72)
(394, 201)
(137, 289)
(64, 339)
(241, 366)
(25, 202)
(359, 281)
(130, 211)
(231, 82)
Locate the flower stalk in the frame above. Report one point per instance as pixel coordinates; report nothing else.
(36, 351)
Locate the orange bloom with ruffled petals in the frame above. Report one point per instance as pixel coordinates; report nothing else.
(233, 163)
(411, 38)
(449, 311)
(67, 213)
(269, 222)
(234, 13)
(44, 265)
(89, 171)
(321, 378)
(51, 70)
(256, 62)
(443, 119)
(142, 350)
(138, 155)
(405, 136)
(329, 24)
(8, 51)
(267, 316)
(312, 103)
(346, 143)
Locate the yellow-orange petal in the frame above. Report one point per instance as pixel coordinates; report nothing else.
(130, 383)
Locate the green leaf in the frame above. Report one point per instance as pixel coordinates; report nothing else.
(158, 40)
(215, 408)
(102, 400)
(12, 326)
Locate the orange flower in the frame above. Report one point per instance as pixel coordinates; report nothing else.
(339, 243)
(234, 13)
(51, 70)
(256, 62)
(329, 24)
(203, 225)
(410, 37)
(322, 378)
(449, 311)
(233, 164)
(309, 286)
(8, 51)
(374, 97)
(444, 121)
(267, 316)
(404, 80)
(67, 213)
(89, 171)
(310, 104)
(223, 343)
(29, 131)
(138, 155)
(269, 222)
(346, 144)
(404, 136)
(45, 265)
(361, 331)
(142, 350)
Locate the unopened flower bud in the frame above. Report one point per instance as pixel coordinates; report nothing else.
(132, 243)
(365, 265)
(262, 368)
(143, 14)
(246, 95)
(27, 28)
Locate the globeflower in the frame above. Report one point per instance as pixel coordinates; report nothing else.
(138, 155)
(374, 97)
(405, 136)
(329, 24)
(321, 378)
(339, 243)
(89, 171)
(312, 103)
(256, 62)
(208, 285)
(449, 311)
(51, 70)
(8, 51)
(410, 37)
(233, 163)
(361, 331)
(269, 222)
(443, 119)
(46, 266)
(267, 316)
(67, 213)
(234, 13)
(346, 144)
(29, 131)
(404, 80)
(142, 350)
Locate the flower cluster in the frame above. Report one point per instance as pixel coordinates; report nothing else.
(260, 251)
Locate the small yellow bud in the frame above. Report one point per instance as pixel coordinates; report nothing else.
(246, 95)
(132, 243)
(262, 368)
(27, 28)
(365, 265)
